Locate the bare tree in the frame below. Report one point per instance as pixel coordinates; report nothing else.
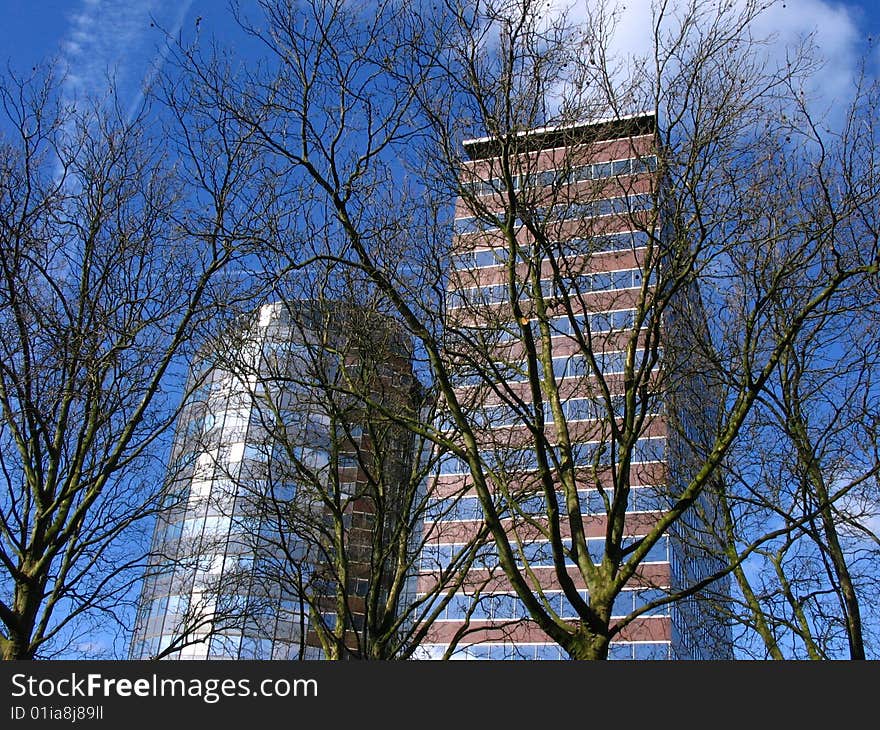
(806, 472)
(111, 269)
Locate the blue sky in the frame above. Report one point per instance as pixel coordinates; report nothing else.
(91, 37)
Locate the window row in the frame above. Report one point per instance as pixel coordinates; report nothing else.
(594, 171)
(223, 646)
(574, 409)
(602, 281)
(468, 508)
(312, 458)
(599, 281)
(617, 320)
(561, 212)
(645, 450)
(566, 366)
(537, 554)
(575, 246)
(509, 607)
(210, 528)
(642, 650)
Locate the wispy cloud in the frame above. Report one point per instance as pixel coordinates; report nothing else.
(116, 40)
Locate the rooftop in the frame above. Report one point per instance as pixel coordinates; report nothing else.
(564, 135)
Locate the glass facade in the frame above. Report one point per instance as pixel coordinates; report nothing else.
(236, 566)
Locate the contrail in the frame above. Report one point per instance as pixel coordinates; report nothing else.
(114, 40)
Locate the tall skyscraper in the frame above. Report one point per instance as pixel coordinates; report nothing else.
(573, 250)
(270, 481)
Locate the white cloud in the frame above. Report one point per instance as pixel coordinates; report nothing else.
(835, 32)
(860, 506)
(833, 27)
(114, 39)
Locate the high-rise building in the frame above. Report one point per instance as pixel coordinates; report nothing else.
(585, 216)
(269, 451)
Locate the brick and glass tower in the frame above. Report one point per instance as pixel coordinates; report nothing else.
(555, 258)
